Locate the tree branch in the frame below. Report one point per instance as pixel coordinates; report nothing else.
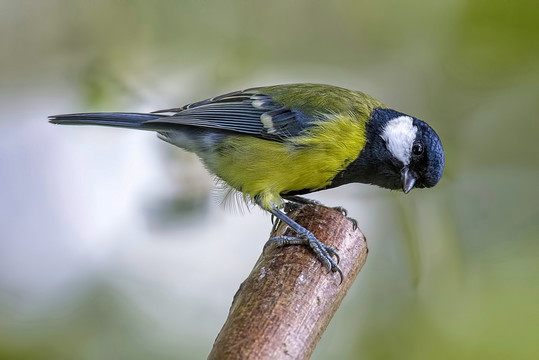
(281, 310)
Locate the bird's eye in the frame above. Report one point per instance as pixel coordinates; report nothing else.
(417, 149)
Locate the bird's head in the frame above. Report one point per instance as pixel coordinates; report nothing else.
(401, 152)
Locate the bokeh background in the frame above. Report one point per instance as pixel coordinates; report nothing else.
(113, 244)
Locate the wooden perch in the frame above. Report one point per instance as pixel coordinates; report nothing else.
(281, 310)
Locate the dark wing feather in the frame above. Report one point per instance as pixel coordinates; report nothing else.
(247, 112)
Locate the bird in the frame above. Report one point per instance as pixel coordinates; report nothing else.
(274, 144)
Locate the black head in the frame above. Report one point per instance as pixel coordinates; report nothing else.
(401, 152)
(427, 158)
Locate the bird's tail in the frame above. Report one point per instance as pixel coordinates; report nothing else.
(125, 120)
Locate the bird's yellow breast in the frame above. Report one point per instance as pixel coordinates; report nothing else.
(264, 169)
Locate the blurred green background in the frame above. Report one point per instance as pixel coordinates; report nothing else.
(113, 246)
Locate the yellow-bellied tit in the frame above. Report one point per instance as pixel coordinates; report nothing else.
(278, 142)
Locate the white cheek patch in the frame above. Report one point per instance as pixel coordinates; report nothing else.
(399, 135)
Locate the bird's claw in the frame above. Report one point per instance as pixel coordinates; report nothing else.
(323, 253)
(354, 223)
(341, 210)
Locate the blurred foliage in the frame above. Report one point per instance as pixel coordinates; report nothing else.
(468, 67)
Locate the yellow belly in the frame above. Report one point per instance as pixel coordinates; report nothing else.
(264, 169)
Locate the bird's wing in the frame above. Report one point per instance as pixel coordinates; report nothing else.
(248, 112)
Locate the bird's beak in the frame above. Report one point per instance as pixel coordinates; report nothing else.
(408, 180)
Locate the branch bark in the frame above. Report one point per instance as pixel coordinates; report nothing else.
(282, 309)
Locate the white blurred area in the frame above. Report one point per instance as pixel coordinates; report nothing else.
(73, 212)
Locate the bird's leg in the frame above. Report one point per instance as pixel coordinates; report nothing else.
(295, 199)
(323, 253)
(288, 207)
(274, 223)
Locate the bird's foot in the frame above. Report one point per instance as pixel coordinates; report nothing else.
(294, 201)
(301, 200)
(323, 253)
